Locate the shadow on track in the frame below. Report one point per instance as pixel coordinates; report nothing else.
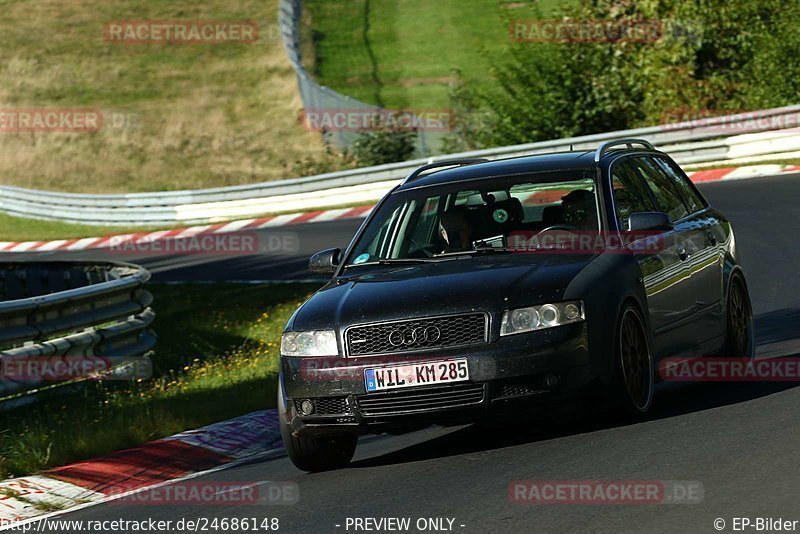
(672, 399)
(778, 325)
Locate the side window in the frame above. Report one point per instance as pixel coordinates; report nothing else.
(630, 194)
(427, 225)
(664, 190)
(689, 194)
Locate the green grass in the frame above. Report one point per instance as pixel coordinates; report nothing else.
(403, 53)
(216, 358)
(195, 115)
(22, 229)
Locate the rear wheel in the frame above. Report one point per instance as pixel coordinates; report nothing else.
(316, 453)
(740, 338)
(634, 377)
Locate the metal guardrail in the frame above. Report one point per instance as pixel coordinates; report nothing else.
(319, 97)
(772, 131)
(51, 312)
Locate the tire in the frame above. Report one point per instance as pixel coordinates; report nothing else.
(739, 330)
(634, 375)
(315, 454)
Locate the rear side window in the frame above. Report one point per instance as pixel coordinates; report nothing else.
(630, 194)
(689, 194)
(663, 188)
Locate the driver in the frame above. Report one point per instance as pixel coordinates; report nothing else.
(457, 230)
(579, 209)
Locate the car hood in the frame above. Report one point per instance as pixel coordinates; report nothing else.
(491, 283)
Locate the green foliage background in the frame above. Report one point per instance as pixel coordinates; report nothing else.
(714, 56)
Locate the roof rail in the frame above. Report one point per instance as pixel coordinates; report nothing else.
(605, 147)
(456, 162)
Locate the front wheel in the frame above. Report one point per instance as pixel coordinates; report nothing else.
(634, 374)
(740, 337)
(316, 453)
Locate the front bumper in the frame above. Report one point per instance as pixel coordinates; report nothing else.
(545, 364)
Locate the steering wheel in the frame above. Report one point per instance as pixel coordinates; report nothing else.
(566, 227)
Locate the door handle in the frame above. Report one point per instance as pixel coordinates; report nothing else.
(682, 254)
(712, 238)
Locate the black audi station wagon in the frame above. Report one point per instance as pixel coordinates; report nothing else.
(479, 285)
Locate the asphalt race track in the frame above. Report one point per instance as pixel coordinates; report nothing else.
(740, 441)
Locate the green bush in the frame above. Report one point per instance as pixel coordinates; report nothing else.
(384, 145)
(713, 57)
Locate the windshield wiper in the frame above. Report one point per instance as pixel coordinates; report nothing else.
(479, 250)
(495, 249)
(394, 261)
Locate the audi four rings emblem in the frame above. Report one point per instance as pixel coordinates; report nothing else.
(411, 336)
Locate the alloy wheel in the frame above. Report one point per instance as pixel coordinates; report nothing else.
(636, 362)
(740, 319)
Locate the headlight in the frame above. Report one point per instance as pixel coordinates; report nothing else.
(541, 317)
(312, 343)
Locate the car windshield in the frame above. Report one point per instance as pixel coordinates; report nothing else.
(434, 222)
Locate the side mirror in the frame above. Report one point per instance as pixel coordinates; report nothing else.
(649, 220)
(325, 262)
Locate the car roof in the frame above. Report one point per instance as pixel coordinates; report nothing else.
(554, 161)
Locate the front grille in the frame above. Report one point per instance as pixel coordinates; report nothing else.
(416, 335)
(421, 399)
(326, 405)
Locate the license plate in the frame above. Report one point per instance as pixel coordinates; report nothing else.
(416, 374)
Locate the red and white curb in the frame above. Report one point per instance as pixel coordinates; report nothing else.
(151, 465)
(119, 241)
(741, 173)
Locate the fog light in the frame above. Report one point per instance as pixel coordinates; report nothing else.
(306, 407)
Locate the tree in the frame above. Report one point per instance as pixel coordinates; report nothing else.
(711, 56)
